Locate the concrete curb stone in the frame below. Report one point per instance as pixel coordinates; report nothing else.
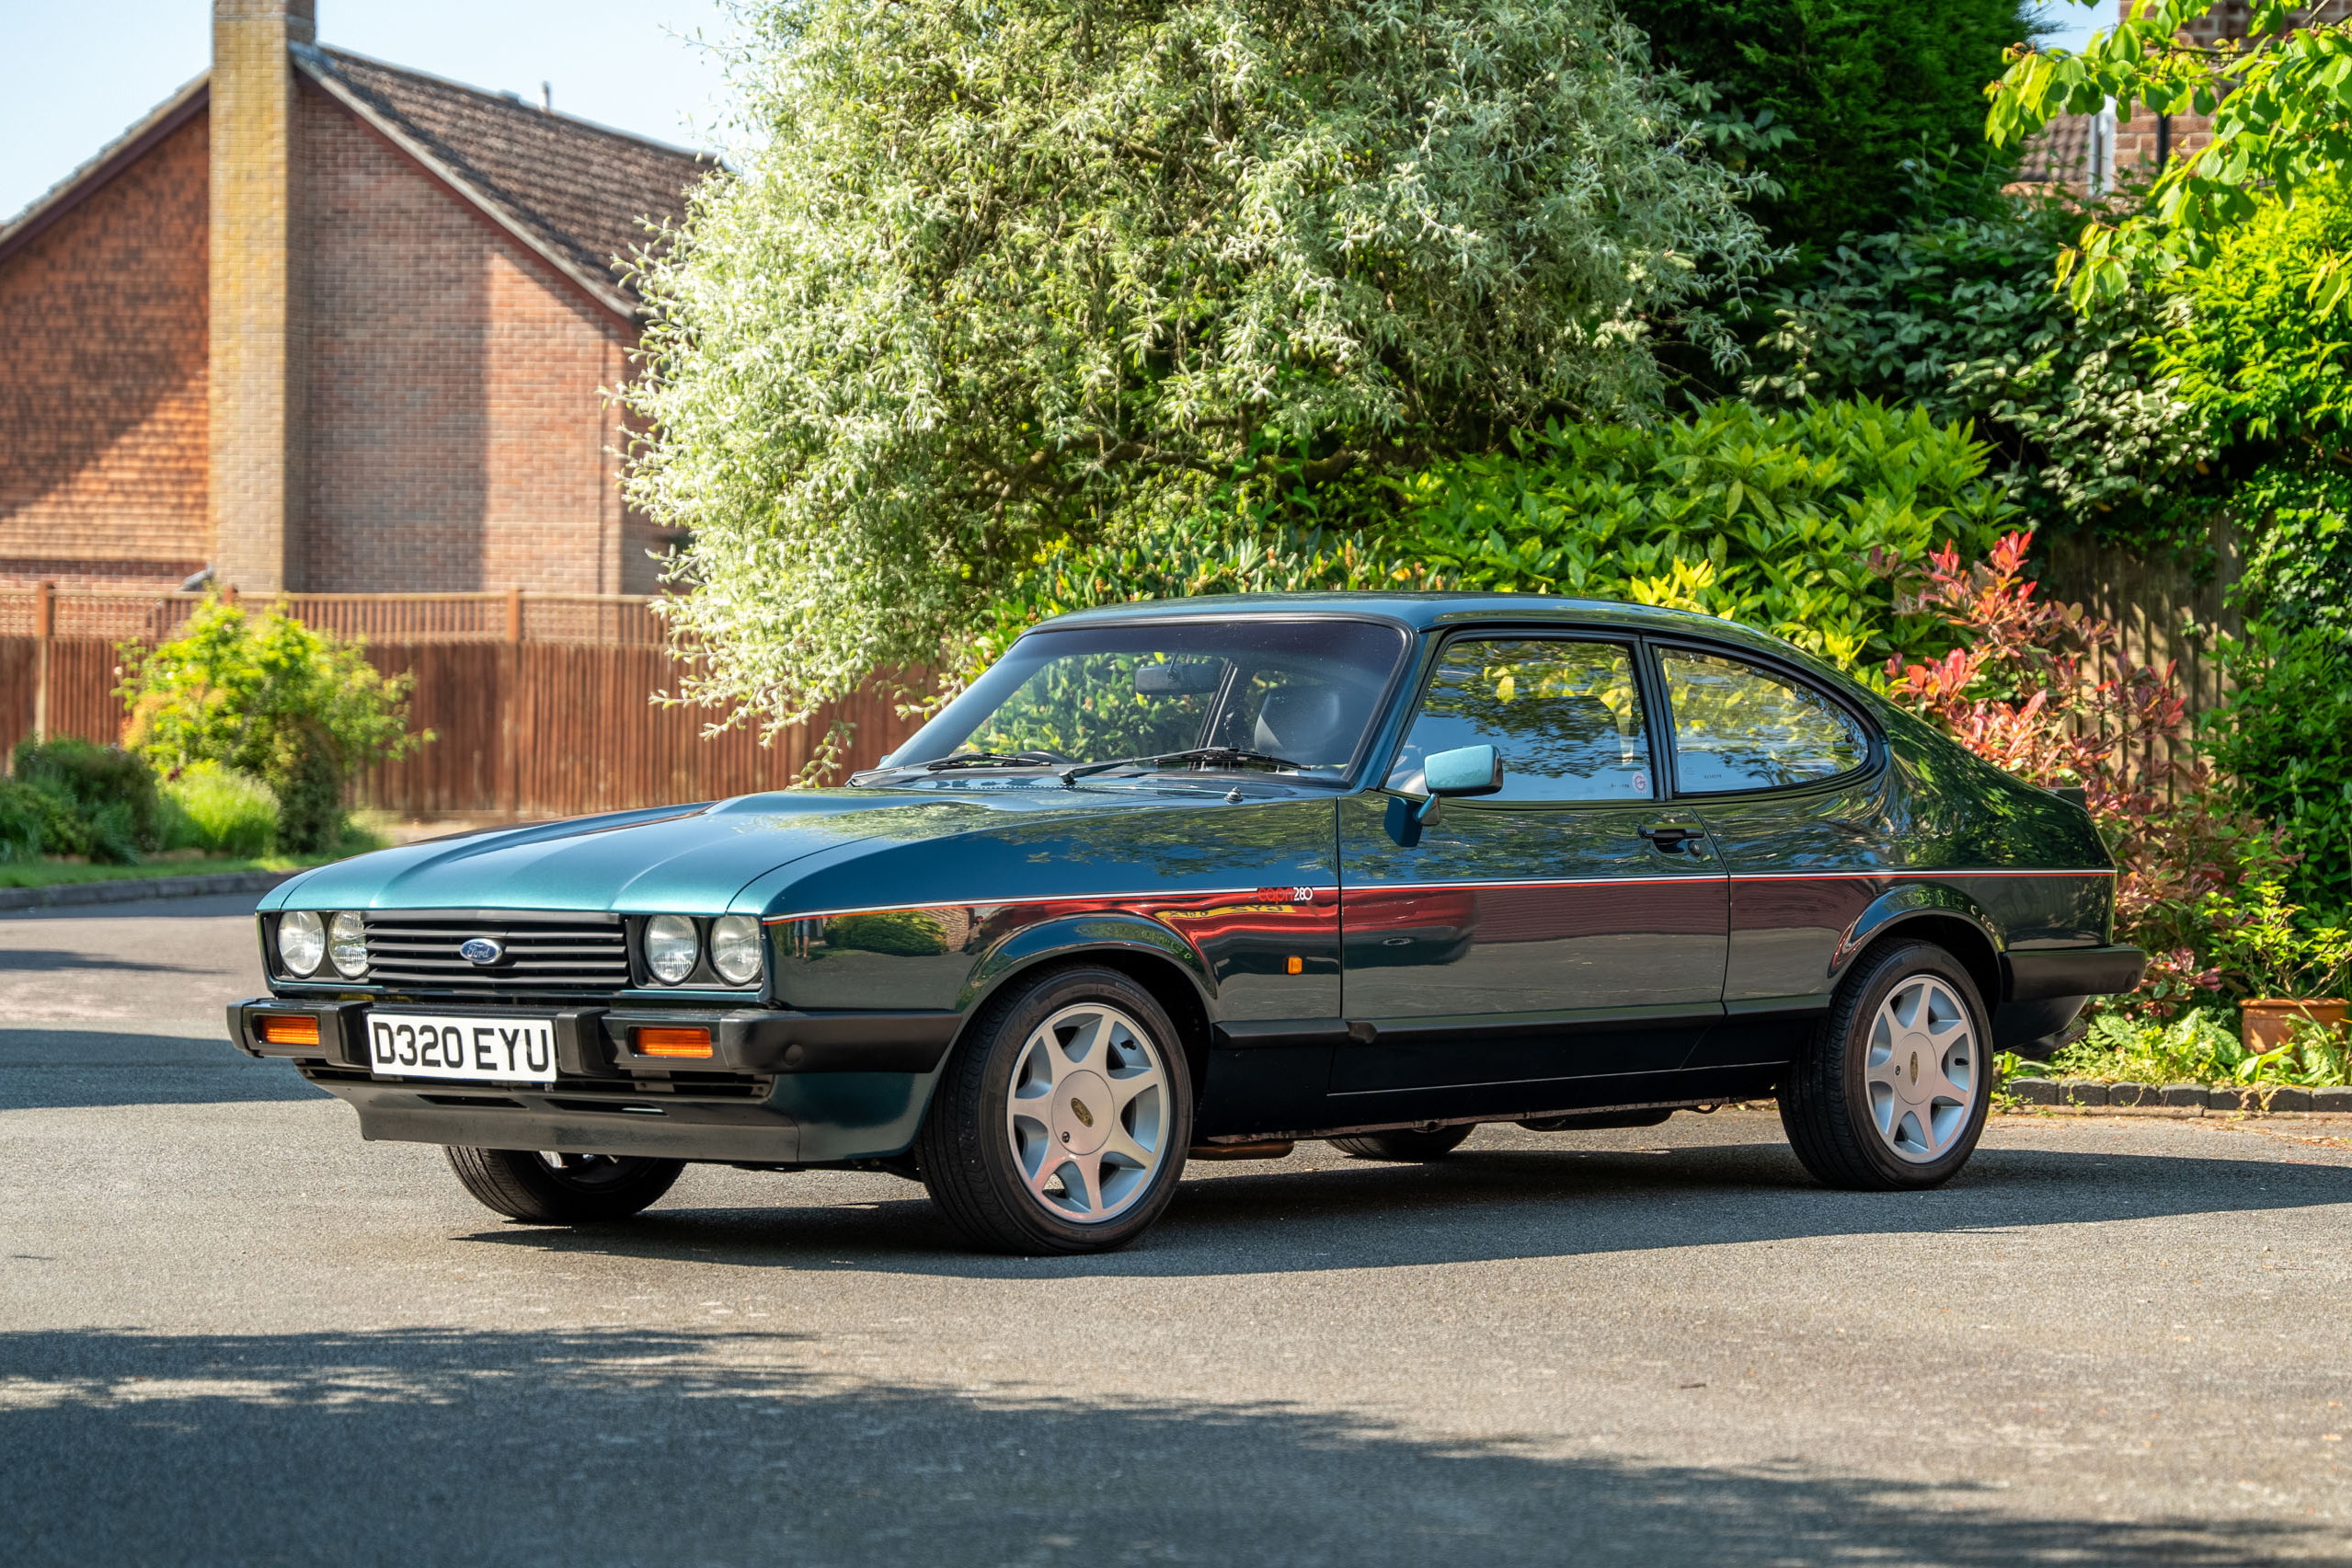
(2084, 1092)
(132, 889)
(2034, 1091)
(2332, 1099)
(2183, 1094)
(2130, 1094)
(2287, 1099)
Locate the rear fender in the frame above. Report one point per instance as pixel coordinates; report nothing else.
(1944, 915)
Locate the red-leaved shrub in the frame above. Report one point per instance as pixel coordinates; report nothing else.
(2043, 691)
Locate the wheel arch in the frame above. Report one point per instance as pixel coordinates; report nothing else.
(1146, 951)
(1928, 912)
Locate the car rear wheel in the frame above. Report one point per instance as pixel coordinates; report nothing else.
(1892, 1092)
(1410, 1144)
(1061, 1123)
(562, 1189)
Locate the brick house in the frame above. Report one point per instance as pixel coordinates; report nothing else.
(319, 323)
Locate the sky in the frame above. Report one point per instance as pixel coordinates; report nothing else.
(77, 73)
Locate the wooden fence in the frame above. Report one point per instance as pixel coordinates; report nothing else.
(2163, 612)
(541, 706)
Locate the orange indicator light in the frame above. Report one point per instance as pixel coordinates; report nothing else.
(673, 1042)
(1297, 965)
(289, 1029)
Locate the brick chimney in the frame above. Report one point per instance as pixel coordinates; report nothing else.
(258, 335)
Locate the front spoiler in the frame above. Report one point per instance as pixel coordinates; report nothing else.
(560, 1117)
(780, 1088)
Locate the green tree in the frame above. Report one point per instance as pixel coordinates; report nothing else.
(301, 710)
(2280, 99)
(1859, 84)
(998, 276)
(2266, 373)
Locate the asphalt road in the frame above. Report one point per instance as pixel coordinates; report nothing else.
(230, 1332)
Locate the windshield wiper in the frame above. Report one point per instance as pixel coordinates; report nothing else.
(992, 759)
(1199, 755)
(966, 759)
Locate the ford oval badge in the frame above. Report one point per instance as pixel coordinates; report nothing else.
(483, 950)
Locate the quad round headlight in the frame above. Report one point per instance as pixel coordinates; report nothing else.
(347, 944)
(670, 948)
(301, 941)
(735, 949)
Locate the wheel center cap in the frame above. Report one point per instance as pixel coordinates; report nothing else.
(1082, 1113)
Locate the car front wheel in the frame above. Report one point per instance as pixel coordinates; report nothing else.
(1062, 1121)
(1892, 1092)
(561, 1189)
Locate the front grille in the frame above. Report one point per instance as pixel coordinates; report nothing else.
(551, 953)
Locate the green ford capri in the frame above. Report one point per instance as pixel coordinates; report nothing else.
(1199, 879)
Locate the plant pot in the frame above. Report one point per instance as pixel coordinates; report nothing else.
(2263, 1023)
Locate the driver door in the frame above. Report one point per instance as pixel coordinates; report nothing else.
(1570, 926)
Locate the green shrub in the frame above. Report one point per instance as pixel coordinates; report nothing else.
(2298, 561)
(2284, 738)
(22, 820)
(95, 800)
(223, 810)
(301, 710)
(1952, 311)
(2198, 1046)
(1768, 518)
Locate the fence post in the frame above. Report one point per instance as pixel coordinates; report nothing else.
(511, 662)
(44, 629)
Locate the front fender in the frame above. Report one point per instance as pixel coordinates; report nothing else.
(1075, 935)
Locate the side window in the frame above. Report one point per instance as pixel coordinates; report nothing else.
(1736, 726)
(1565, 715)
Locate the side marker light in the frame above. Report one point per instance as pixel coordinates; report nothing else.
(289, 1029)
(673, 1042)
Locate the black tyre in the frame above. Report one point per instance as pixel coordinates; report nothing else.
(1411, 1144)
(561, 1189)
(1891, 1092)
(1061, 1123)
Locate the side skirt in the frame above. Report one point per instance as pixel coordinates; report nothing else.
(1561, 1097)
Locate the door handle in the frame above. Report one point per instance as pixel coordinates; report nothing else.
(1670, 840)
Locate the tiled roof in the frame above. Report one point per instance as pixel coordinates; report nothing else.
(579, 190)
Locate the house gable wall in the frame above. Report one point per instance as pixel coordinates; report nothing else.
(458, 437)
(103, 423)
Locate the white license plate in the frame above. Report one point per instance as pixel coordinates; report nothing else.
(495, 1050)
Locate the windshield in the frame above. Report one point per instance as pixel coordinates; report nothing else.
(1303, 692)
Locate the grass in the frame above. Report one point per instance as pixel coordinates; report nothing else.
(52, 872)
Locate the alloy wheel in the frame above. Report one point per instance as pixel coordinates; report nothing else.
(1920, 1070)
(1089, 1113)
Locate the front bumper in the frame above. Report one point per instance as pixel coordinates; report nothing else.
(779, 1088)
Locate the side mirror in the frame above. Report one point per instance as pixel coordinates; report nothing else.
(1465, 771)
(1468, 770)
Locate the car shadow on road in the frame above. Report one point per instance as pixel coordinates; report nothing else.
(78, 1069)
(1479, 1208)
(637, 1446)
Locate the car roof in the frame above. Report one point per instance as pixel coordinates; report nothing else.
(1436, 612)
